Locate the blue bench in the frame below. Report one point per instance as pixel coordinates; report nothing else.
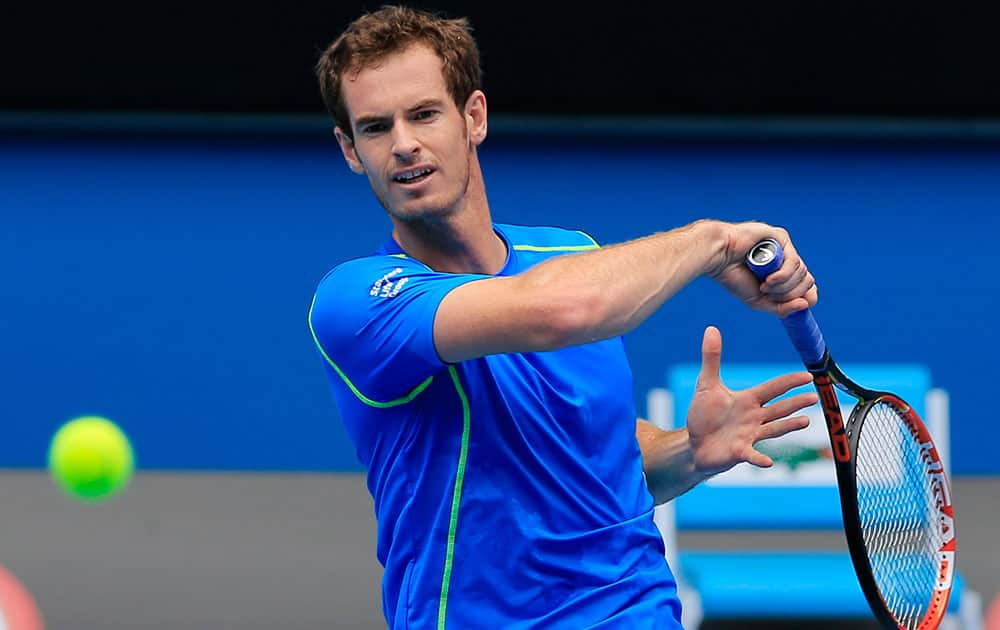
(799, 494)
(781, 584)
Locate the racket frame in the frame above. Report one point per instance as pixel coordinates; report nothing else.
(844, 437)
(804, 332)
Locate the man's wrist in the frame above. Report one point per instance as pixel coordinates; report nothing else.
(712, 238)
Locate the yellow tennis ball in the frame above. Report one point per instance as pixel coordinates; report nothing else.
(90, 458)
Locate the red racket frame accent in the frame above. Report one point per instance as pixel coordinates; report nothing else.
(946, 514)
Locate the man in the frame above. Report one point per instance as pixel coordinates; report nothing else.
(479, 369)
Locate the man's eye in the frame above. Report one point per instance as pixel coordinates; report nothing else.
(426, 114)
(373, 128)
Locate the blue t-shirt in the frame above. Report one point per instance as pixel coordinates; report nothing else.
(508, 489)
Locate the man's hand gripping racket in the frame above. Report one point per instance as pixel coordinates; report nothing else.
(894, 495)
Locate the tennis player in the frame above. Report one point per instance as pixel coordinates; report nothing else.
(480, 371)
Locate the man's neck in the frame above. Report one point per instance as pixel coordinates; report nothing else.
(460, 241)
(463, 243)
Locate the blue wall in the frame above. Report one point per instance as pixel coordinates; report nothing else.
(164, 283)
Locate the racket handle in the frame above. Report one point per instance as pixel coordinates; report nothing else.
(765, 258)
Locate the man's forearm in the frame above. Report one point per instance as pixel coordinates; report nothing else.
(667, 461)
(610, 291)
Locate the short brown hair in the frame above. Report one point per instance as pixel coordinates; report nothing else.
(373, 36)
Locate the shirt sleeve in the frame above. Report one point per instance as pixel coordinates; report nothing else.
(373, 321)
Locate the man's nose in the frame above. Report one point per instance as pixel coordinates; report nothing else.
(404, 141)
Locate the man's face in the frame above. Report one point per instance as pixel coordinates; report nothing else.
(410, 139)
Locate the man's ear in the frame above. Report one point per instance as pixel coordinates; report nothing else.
(347, 148)
(475, 117)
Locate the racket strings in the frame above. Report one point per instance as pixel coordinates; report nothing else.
(899, 521)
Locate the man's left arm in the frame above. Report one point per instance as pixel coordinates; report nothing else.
(667, 461)
(723, 426)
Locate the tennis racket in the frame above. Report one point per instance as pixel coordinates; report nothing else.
(894, 495)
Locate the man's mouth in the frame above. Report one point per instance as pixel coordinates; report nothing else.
(412, 176)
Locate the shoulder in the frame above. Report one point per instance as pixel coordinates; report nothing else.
(544, 238)
(351, 289)
(367, 276)
(380, 285)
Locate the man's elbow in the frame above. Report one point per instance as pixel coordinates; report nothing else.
(568, 319)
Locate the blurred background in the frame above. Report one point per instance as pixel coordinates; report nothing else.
(171, 193)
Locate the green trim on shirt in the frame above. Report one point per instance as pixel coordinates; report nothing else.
(456, 497)
(368, 401)
(555, 248)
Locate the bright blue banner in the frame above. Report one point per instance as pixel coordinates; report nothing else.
(164, 282)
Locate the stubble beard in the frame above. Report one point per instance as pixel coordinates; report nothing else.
(434, 214)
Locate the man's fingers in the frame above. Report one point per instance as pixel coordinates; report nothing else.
(780, 385)
(794, 286)
(785, 278)
(711, 357)
(790, 405)
(812, 295)
(758, 459)
(782, 427)
(784, 309)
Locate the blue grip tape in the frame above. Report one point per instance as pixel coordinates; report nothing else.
(805, 335)
(765, 258)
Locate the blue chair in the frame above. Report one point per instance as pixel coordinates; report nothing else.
(798, 495)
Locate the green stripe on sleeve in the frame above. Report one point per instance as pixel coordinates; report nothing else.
(368, 401)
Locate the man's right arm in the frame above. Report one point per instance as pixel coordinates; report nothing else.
(581, 298)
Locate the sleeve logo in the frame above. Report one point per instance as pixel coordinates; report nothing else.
(388, 286)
